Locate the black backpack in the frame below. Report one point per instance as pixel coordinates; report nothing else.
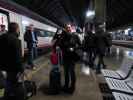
(30, 89)
(89, 41)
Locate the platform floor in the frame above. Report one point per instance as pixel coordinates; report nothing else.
(88, 85)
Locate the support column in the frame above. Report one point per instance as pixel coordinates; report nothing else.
(100, 11)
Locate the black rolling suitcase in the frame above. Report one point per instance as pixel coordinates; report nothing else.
(55, 74)
(55, 81)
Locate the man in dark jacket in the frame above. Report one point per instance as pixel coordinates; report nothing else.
(108, 42)
(31, 38)
(101, 48)
(89, 47)
(11, 61)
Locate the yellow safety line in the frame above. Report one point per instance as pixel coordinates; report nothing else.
(29, 76)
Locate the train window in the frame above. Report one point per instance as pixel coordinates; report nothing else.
(46, 34)
(4, 19)
(43, 33)
(49, 34)
(40, 33)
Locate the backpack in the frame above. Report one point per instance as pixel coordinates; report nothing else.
(108, 41)
(89, 41)
(30, 89)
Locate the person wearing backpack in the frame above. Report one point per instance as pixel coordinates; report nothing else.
(108, 42)
(101, 48)
(11, 61)
(89, 45)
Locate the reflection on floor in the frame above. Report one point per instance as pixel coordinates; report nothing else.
(88, 83)
(85, 69)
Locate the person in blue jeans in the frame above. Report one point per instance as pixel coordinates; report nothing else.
(31, 39)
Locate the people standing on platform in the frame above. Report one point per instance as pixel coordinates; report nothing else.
(101, 48)
(89, 45)
(11, 60)
(108, 43)
(69, 60)
(31, 38)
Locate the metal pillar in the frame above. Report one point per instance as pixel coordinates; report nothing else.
(100, 11)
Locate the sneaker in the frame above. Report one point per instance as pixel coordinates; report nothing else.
(71, 90)
(68, 90)
(65, 89)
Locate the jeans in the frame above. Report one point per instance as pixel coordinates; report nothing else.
(91, 55)
(69, 71)
(100, 62)
(32, 54)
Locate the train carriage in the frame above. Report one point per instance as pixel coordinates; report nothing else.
(44, 31)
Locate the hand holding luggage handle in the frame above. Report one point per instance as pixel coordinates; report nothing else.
(59, 54)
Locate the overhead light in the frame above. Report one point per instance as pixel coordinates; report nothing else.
(90, 13)
(129, 29)
(24, 22)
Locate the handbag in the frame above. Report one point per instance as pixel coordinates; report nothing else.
(54, 58)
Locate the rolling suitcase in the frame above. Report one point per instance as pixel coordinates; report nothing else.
(55, 81)
(55, 74)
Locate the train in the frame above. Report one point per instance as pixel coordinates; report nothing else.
(11, 12)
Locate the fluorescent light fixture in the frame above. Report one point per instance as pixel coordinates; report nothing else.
(24, 22)
(90, 13)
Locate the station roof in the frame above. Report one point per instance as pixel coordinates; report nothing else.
(58, 11)
(119, 13)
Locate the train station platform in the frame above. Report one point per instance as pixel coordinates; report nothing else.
(90, 86)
